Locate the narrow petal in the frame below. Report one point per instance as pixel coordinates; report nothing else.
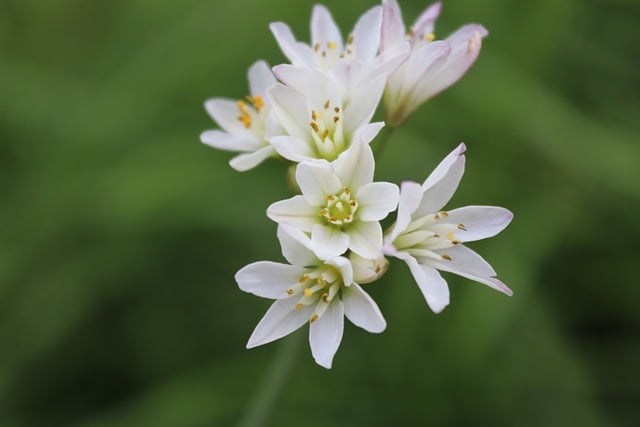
(420, 63)
(344, 266)
(376, 200)
(409, 200)
(328, 241)
(292, 148)
(225, 113)
(293, 76)
(368, 132)
(324, 29)
(291, 109)
(317, 181)
(361, 109)
(480, 222)
(298, 53)
(427, 19)
(296, 246)
(366, 239)
(463, 261)
(325, 334)
(268, 279)
(362, 310)
(355, 166)
(442, 183)
(247, 161)
(366, 34)
(260, 78)
(230, 142)
(393, 30)
(294, 211)
(433, 287)
(280, 320)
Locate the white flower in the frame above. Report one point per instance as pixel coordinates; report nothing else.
(311, 289)
(429, 239)
(432, 65)
(327, 49)
(247, 124)
(340, 206)
(318, 122)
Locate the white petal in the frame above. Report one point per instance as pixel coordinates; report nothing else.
(260, 78)
(291, 109)
(410, 197)
(225, 113)
(366, 239)
(366, 34)
(317, 181)
(367, 132)
(324, 29)
(294, 149)
(294, 211)
(433, 287)
(362, 310)
(344, 266)
(296, 246)
(393, 29)
(465, 48)
(366, 99)
(463, 261)
(247, 161)
(481, 222)
(388, 61)
(422, 61)
(376, 200)
(325, 334)
(226, 141)
(268, 279)
(355, 166)
(293, 76)
(328, 241)
(298, 53)
(426, 21)
(442, 183)
(280, 320)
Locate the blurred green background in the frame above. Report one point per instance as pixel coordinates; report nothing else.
(120, 232)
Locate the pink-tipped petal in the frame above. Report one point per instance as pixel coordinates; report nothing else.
(393, 30)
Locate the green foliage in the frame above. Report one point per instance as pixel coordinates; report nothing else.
(121, 232)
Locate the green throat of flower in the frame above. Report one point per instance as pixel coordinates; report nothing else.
(340, 208)
(317, 288)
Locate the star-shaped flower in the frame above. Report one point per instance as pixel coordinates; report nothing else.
(309, 289)
(340, 205)
(248, 124)
(432, 66)
(429, 239)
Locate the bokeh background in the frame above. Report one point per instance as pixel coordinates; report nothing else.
(120, 232)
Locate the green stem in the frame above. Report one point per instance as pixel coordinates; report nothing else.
(382, 141)
(273, 382)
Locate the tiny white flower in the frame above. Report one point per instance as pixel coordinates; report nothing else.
(318, 122)
(432, 66)
(340, 206)
(328, 51)
(247, 124)
(429, 239)
(309, 289)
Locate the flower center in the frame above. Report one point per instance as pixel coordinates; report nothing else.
(428, 234)
(317, 287)
(340, 208)
(327, 131)
(329, 54)
(247, 113)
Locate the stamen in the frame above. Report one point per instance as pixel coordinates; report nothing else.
(298, 306)
(308, 292)
(313, 115)
(316, 47)
(350, 39)
(326, 104)
(290, 291)
(430, 37)
(325, 134)
(303, 278)
(450, 235)
(324, 297)
(444, 214)
(331, 197)
(335, 119)
(314, 126)
(462, 227)
(336, 109)
(313, 318)
(332, 45)
(447, 257)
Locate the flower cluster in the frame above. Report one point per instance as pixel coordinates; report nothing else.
(316, 112)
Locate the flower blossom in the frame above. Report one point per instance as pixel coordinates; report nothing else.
(309, 289)
(248, 124)
(432, 66)
(340, 206)
(429, 239)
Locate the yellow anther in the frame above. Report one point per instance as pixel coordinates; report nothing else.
(455, 242)
(335, 119)
(316, 47)
(462, 227)
(308, 292)
(314, 117)
(324, 212)
(347, 191)
(245, 118)
(325, 134)
(350, 39)
(326, 104)
(377, 270)
(352, 202)
(314, 126)
(313, 318)
(450, 235)
(430, 37)
(298, 306)
(444, 214)
(331, 197)
(258, 102)
(332, 45)
(324, 297)
(303, 278)
(447, 257)
(349, 51)
(336, 109)
(333, 218)
(242, 106)
(290, 291)
(410, 33)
